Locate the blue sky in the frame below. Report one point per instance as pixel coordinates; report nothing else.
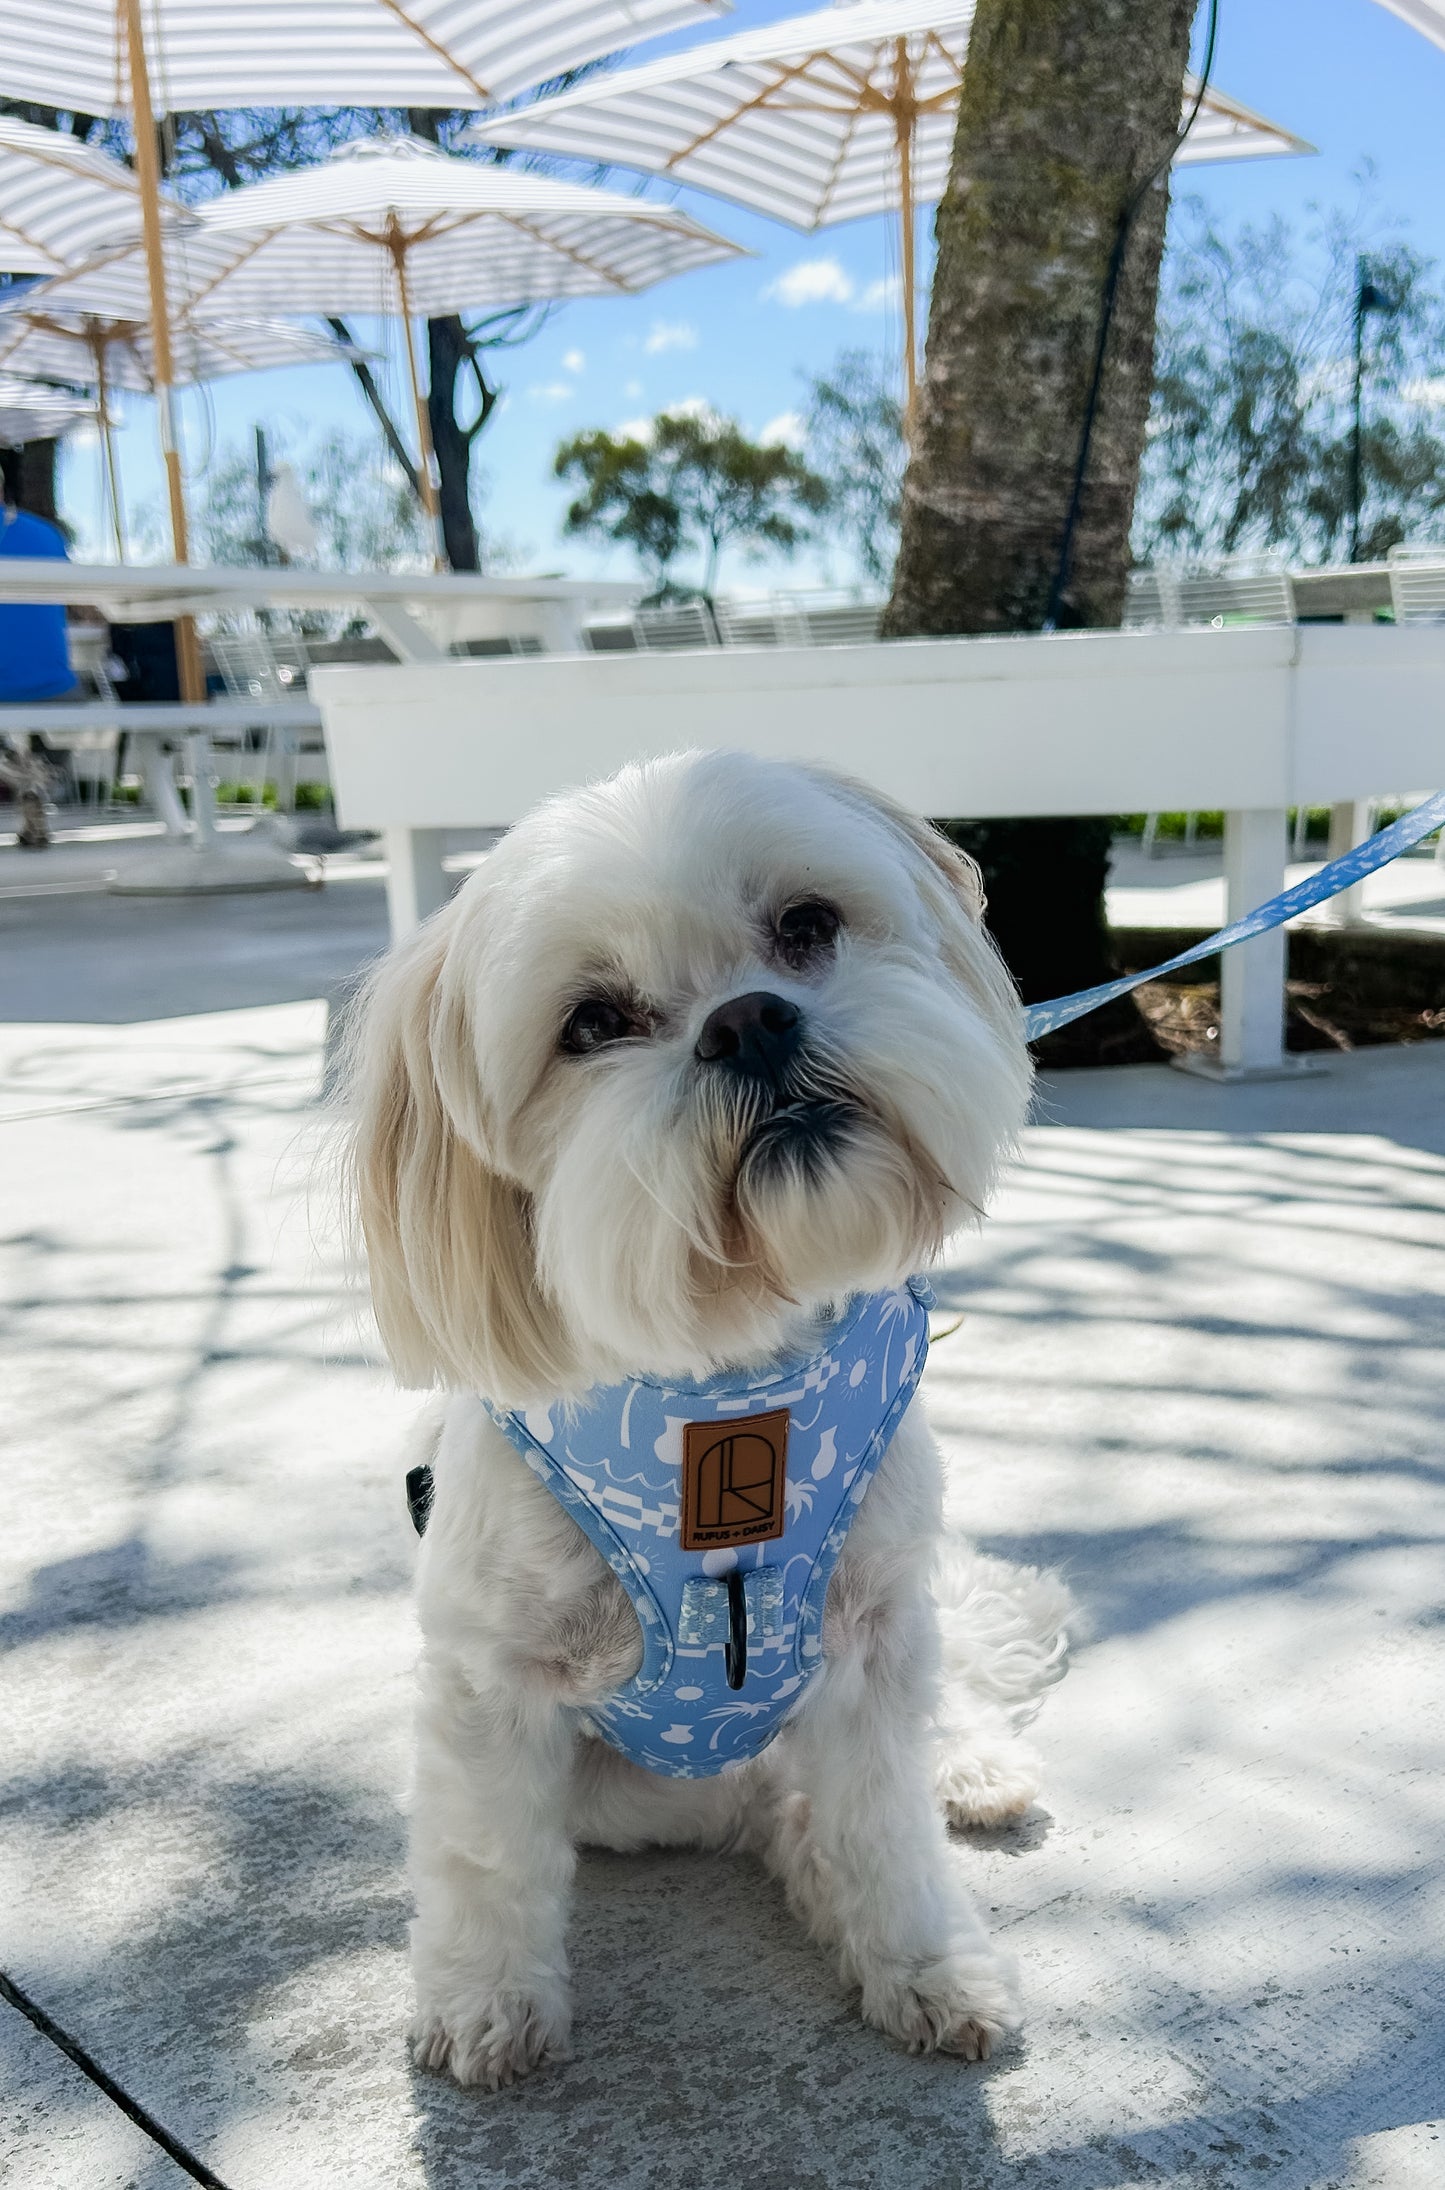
(1345, 74)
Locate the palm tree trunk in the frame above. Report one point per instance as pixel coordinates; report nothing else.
(1066, 106)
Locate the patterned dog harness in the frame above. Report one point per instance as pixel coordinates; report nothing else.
(722, 1509)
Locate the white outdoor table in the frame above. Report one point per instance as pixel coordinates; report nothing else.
(1253, 721)
(154, 727)
(554, 609)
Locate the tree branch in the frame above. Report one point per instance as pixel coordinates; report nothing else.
(366, 381)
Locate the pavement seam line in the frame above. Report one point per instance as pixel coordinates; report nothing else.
(144, 2120)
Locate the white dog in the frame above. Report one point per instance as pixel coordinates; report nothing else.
(700, 1056)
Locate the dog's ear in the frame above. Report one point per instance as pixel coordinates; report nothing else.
(448, 1237)
(951, 886)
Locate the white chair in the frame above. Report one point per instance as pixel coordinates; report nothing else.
(267, 664)
(679, 627)
(843, 622)
(1237, 592)
(759, 623)
(817, 618)
(1151, 602)
(1417, 585)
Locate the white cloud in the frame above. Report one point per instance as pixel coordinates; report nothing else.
(694, 406)
(551, 391)
(811, 281)
(575, 361)
(669, 334)
(690, 406)
(879, 293)
(789, 430)
(1429, 394)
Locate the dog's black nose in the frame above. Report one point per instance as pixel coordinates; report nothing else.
(756, 1034)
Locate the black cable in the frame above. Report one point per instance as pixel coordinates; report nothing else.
(116, 2093)
(1106, 319)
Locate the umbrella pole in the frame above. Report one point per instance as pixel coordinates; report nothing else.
(188, 653)
(107, 443)
(426, 468)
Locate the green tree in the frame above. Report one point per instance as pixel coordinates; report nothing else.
(694, 482)
(1250, 438)
(623, 498)
(855, 444)
(1057, 192)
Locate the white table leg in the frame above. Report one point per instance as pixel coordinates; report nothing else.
(409, 640)
(562, 623)
(416, 883)
(159, 778)
(1251, 1032)
(1350, 824)
(203, 790)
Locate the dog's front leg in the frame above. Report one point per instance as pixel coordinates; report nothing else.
(861, 1846)
(492, 1867)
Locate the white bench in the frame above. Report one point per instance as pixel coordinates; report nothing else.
(1253, 721)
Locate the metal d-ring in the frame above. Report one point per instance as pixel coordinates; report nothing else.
(735, 1650)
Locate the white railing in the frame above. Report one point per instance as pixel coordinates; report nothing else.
(1250, 721)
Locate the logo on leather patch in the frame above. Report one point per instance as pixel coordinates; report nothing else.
(733, 1479)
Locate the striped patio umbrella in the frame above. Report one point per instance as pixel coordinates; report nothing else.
(41, 336)
(821, 118)
(141, 58)
(79, 54)
(393, 224)
(31, 413)
(59, 199)
(1426, 16)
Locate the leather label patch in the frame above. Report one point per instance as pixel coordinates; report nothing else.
(734, 1475)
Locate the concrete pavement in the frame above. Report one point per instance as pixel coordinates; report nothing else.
(1200, 1365)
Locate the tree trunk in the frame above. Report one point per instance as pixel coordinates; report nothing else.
(1066, 106)
(446, 353)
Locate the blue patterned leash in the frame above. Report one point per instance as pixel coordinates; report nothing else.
(1378, 851)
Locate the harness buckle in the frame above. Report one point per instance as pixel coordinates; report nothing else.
(735, 1649)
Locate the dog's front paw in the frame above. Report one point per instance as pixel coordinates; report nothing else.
(963, 2003)
(491, 2040)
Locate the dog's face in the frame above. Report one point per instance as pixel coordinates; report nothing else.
(697, 1052)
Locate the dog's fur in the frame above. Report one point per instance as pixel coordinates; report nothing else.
(538, 1220)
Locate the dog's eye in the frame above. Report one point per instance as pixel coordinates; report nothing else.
(594, 1023)
(806, 930)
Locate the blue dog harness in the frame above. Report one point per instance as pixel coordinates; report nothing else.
(722, 1509)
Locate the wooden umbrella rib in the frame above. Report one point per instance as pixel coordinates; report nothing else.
(949, 58)
(845, 146)
(227, 272)
(564, 250)
(449, 59)
(766, 97)
(14, 228)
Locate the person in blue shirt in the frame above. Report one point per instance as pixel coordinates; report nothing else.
(34, 658)
(34, 661)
